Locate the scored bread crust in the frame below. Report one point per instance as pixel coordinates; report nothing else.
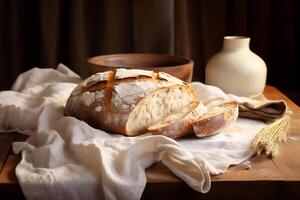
(107, 100)
(216, 119)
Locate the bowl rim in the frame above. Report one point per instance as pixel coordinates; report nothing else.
(187, 61)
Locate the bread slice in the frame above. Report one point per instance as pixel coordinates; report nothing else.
(128, 101)
(216, 119)
(157, 106)
(179, 124)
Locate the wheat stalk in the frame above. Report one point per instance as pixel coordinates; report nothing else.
(269, 137)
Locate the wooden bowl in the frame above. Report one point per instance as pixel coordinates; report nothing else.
(179, 67)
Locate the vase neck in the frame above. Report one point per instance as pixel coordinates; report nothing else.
(232, 43)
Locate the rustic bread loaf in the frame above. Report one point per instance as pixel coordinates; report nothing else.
(128, 101)
(216, 119)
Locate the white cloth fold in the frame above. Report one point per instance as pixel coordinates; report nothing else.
(65, 158)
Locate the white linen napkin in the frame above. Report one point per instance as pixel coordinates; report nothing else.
(65, 158)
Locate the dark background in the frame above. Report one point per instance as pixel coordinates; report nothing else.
(43, 33)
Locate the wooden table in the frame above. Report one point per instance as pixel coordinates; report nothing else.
(277, 178)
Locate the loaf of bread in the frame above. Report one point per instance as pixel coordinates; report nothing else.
(132, 102)
(128, 101)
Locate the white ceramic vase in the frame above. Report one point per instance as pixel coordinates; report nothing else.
(236, 69)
